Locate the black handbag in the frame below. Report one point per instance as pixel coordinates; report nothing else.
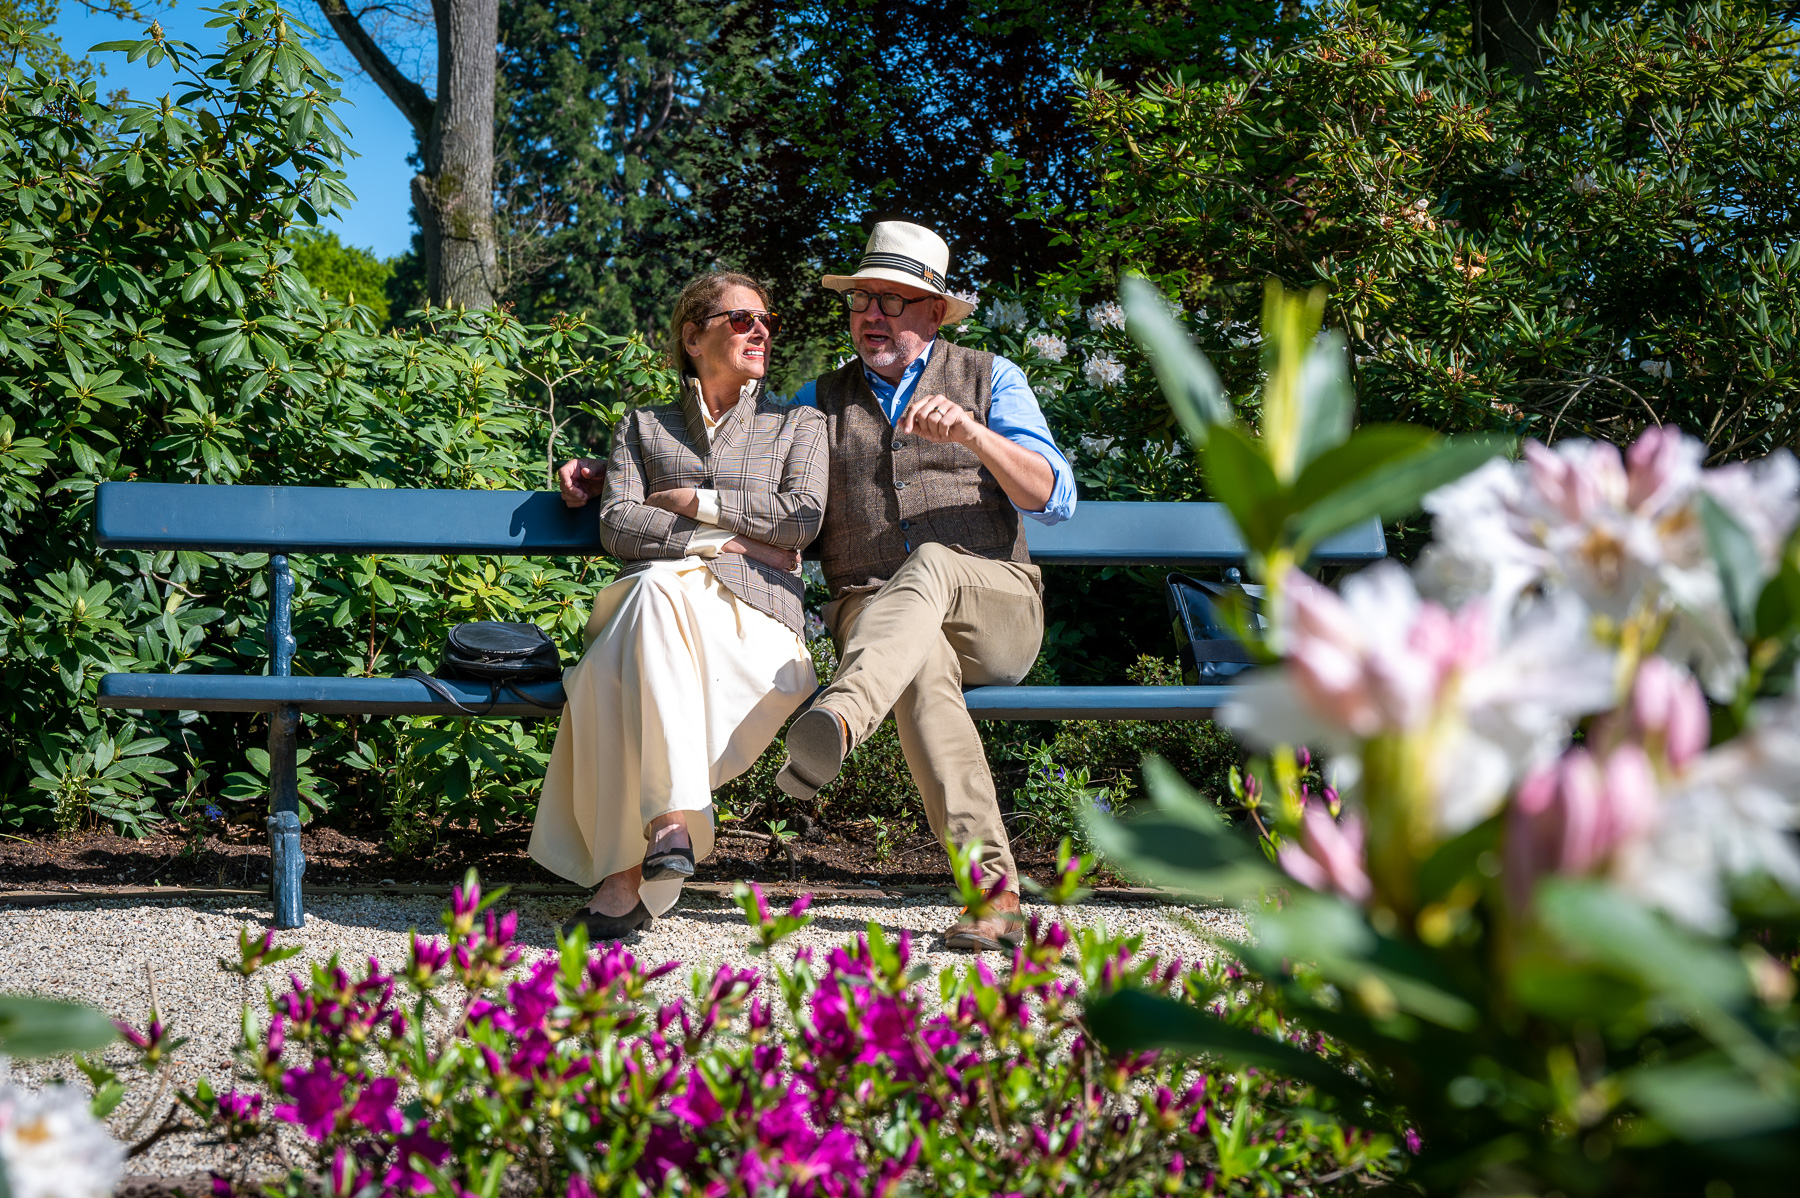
(1209, 649)
(499, 654)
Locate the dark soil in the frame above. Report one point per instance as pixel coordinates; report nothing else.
(238, 857)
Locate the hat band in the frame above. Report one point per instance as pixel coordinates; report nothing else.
(911, 266)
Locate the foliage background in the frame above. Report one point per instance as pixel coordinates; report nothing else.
(1610, 247)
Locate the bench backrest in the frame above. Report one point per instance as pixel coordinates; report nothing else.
(360, 520)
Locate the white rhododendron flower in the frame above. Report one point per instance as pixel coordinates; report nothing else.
(1048, 346)
(1585, 185)
(1485, 700)
(1106, 316)
(1005, 314)
(52, 1146)
(1100, 446)
(1621, 531)
(1732, 815)
(1104, 370)
(971, 298)
(1656, 368)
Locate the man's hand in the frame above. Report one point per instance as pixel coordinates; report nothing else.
(581, 479)
(940, 419)
(785, 560)
(683, 501)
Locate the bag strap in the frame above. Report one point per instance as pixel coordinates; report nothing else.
(443, 692)
(436, 687)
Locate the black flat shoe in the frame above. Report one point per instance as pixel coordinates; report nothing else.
(610, 927)
(677, 861)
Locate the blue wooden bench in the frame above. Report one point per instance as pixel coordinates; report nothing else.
(283, 521)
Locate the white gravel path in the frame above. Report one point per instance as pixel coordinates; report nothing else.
(105, 953)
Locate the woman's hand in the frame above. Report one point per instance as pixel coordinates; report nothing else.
(581, 479)
(774, 556)
(683, 501)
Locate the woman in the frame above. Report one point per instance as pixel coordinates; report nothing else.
(695, 657)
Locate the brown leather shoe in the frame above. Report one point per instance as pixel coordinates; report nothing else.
(997, 932)
(816, 748)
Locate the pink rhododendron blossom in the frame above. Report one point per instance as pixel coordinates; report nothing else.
(1490, 699)
(1668, 710)
(1328, 856)
(1571, 816)
(1733, 813)
(1622, 532)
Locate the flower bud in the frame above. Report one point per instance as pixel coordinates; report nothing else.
(1668, 709)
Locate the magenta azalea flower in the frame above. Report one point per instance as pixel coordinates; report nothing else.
(375, 1107)
(318, 1095)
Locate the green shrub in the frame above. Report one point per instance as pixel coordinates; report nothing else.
(154, 325)
(1610, 249)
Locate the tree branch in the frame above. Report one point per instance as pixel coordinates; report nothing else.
(407, 96)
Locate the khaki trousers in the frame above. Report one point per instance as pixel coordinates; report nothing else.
(945, 620)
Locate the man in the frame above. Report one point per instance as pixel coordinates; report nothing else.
(936, 451)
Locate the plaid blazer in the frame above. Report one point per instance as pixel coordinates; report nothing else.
(766, 461)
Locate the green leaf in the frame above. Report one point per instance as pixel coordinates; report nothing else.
(1133, 1021)
(1373, 447)
(1603, 925)
(1187, 378)
(1740, 566)
(1185, 843)
(42, 1027)
(1239, 475)
(1393, 491)
(1335, 937)
(1708, 1099)
(1326, 400)
(1778, 607)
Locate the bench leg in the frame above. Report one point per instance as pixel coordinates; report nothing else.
(286, 861)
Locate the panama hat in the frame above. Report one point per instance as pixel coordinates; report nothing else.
(900, 252)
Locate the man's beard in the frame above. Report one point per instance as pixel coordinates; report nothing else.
(882, 356)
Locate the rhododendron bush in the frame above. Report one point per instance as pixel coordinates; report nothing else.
(470, 1069)
(1547, 903)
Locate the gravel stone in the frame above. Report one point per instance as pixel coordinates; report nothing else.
(111, 954)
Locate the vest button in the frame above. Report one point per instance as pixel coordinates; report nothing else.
(899, 445)
(906, 524)
(900, 485)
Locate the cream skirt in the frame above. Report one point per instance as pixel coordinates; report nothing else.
(682, 687)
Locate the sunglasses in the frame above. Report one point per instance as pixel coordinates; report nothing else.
(742, 320)
(891, 304)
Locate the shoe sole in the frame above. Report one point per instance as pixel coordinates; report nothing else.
(671, 866)
(611, 931)
(968, 942)
(815, 747)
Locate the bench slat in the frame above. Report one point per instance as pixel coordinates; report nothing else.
(407, 696)
(1096, 702)
(344, 696)
(220, 519)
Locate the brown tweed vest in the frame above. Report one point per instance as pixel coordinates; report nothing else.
(890, 493)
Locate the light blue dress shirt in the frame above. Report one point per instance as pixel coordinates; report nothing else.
(1013, 412)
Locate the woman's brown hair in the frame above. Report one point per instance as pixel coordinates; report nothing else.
(696, 300)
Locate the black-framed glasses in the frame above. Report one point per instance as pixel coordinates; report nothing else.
(858, 300)
(742, 320)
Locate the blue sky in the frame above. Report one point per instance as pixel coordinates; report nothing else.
(380, 177)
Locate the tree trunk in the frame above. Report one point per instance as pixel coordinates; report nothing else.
(1507, 32)
(454, 192)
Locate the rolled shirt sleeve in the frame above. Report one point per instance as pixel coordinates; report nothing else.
(1013, 413)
